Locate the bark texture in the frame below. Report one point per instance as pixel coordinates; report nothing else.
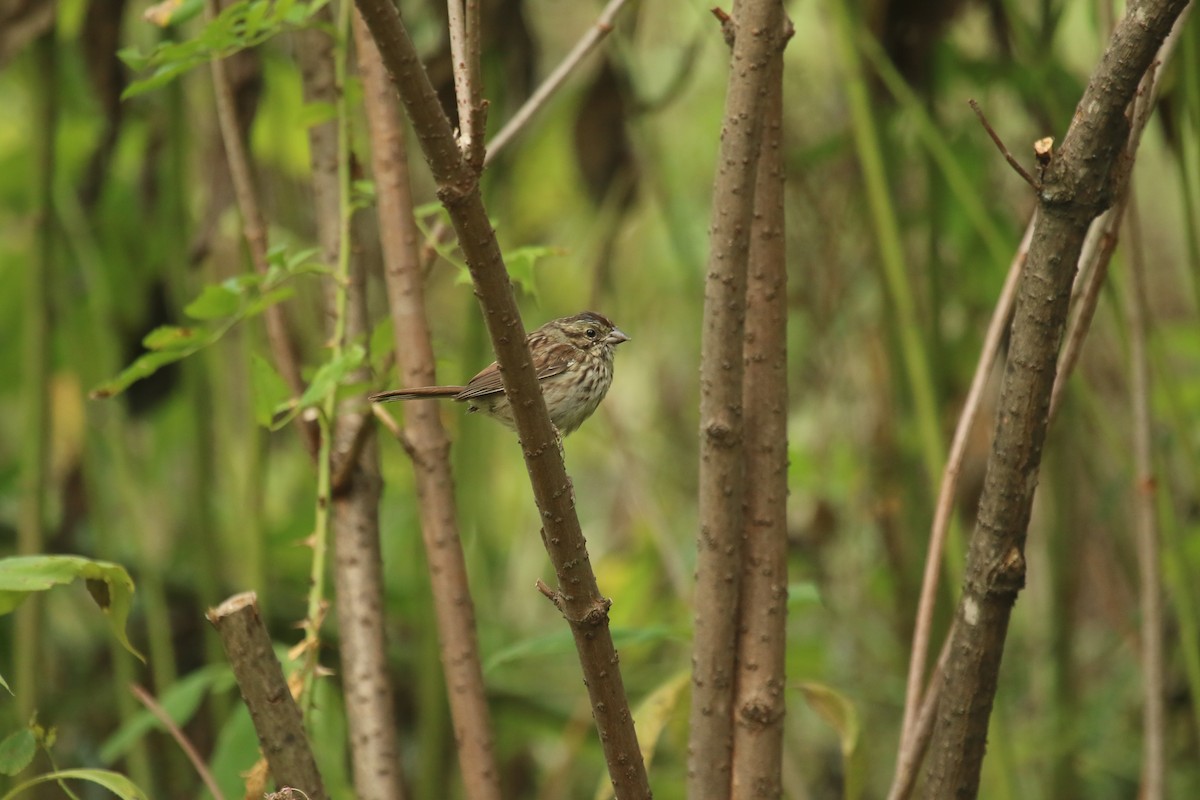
(578, 596)
(1078, 185)
(358, 565)
(277, 719)
(424, 437)
(759, 699)
(758, 27)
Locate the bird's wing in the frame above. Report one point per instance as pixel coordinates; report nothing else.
(488, 381)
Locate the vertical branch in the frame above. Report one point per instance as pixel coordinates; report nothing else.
(463, 19)
(762, 610)
(353, 459)
(1079, 184)
(758, 28)
(424, 436)
(1146, 529)
(578, 597)
(35, 376)
(283, 350)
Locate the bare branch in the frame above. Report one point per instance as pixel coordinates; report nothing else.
(283, 350)
(1146, 529)
(276, 716)
(185, 744)
(762, 629)
(948, 489)
(1012, 161)
(1081, 182)
(554, 81)
(425, 440)
(719, 539)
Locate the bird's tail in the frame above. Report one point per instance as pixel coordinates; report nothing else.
(416, 393)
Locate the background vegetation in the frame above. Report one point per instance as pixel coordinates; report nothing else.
(604, 199)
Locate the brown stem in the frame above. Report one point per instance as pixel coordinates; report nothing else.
(1146, 529)
(458, 190)
(916, 742)
(719, 540)
(1008, 156)
(1102, 239)
(185, 744)
(276, 716)
(762, 634)
(254, 229)
(1079, 184)
(357, 566)
(424, 438)
(948, 489)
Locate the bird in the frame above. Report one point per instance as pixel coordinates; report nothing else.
(573, 360)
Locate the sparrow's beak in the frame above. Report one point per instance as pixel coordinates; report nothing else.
(616, 337)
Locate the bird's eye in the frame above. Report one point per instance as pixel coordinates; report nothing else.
(591, 333)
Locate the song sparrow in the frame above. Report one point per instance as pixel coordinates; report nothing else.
(573, 359)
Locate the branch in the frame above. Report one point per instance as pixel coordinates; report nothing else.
(277, 719)
(458, 190)
(189, 749)
(554, 81)
(463, 19)
(719, 557)
(254, 229)
(762, 627)
(1080, 183)
(425, 439)
(1012, 161)
(948, 490)
(1102, 238)
(1146, 530)
(355, 483)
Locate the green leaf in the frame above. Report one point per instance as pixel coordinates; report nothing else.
(215, 302)
(149, 363)
(330, 374)
(109, 584)
(167, 337)
(16, 751)
(521, 263)
(380, 345)
(115, 782)
(4, 683)
(838, 710)
(316, 113)
(180, 702)
(269, 390)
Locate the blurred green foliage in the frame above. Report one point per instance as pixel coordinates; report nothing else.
(177, 480)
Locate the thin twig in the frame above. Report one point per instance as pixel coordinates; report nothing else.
(1012, 161)
(180, 738)
(1146, 530)
(588, 42)
(254, 229)
(463, 22)
(913, 747)
(601, 28)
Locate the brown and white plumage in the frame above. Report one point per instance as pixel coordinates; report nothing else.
(573, 359)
